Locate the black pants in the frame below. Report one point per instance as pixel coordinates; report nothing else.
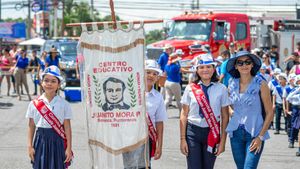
(198, 156)
(279, 112)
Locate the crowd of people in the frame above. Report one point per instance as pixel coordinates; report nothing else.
(15, 63)
(244, 91)
(237, 94)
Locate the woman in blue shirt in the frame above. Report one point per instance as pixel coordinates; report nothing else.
(172, 84)
(248, 93)
(20, 73)
(53, 58)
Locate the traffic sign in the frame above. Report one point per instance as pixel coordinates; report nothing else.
(35, 7)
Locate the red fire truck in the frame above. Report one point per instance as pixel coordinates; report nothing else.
(191, 30)
(194, 29)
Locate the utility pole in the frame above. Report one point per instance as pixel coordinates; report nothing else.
(0, 19)
(28, 21)
(62, 19)
(0, 10)
(55, 18)
(92, 9)
(43, 19)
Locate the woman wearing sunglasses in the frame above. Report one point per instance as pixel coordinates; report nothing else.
(247, 127)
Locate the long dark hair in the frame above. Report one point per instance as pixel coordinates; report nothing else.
(214, 77)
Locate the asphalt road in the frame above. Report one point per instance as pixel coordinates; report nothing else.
(13, 139)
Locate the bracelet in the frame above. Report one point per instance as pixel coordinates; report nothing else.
(182, 138)
(261, 138)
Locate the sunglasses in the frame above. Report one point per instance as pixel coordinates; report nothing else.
(241, 63)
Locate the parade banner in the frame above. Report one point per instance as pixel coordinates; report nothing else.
(112, 62)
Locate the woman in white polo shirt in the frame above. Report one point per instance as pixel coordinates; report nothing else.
(202, 136)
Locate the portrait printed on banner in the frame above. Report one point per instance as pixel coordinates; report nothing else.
(114, 95)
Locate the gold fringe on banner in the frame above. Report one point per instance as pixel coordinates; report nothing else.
(113, 50)
(117, 152)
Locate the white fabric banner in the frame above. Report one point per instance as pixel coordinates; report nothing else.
(113, 85)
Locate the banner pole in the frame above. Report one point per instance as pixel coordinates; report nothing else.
(113, 15)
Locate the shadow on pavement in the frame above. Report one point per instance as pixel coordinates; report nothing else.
(6, 105)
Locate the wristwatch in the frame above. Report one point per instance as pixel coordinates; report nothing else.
(261, 138)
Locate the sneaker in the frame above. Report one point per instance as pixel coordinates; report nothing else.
(298, 154)
(291, 145)
(276, 132)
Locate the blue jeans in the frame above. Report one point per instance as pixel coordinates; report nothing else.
(198, 157)
(240, 144)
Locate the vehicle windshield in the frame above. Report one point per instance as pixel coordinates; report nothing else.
(190, 30)
(69, 50)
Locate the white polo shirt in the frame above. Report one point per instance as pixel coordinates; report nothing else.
(155, 106)
(59, 106)
(279, 99)
(218, 98)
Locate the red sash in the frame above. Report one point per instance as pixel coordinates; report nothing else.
(50, 117)
(214, 133)
(152, 134)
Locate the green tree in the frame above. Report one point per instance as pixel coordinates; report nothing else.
(78, 12)
(13, 20)
(154, 35)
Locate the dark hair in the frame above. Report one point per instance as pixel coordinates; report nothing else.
(115, 80)
(252, 72)
(298, 43)
(240, 49)
(55, 77)
(295, 54)
(274, 46)
(214, 77)
(6, 50)
(225, 52)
